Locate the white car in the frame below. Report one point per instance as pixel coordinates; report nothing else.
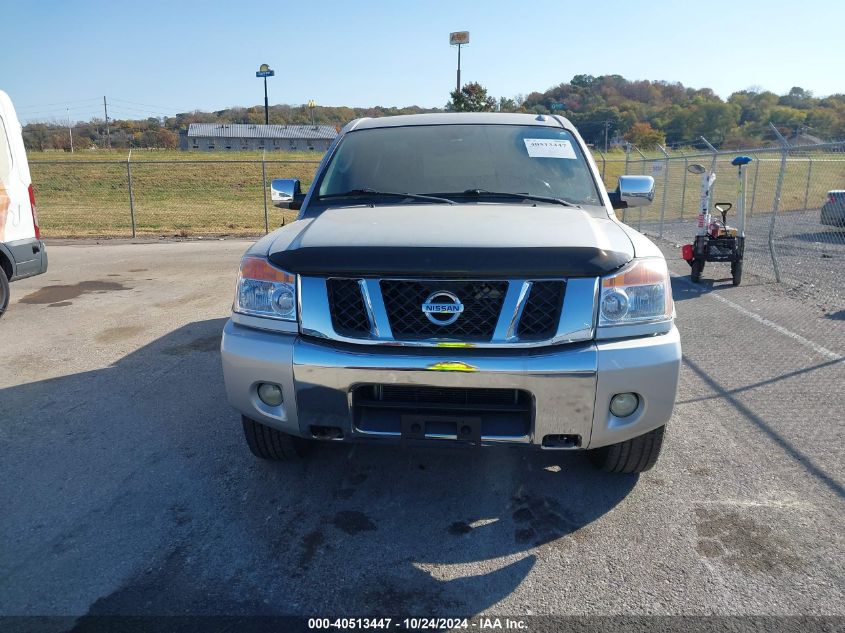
(22, 253)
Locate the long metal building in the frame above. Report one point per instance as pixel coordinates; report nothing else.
(244, 136)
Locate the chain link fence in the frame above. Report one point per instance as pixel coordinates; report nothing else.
(154, 198)
(787, 188)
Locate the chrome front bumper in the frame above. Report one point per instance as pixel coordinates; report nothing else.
(571, 385)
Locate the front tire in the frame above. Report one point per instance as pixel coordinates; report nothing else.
(4, 292)
(269, 443)
(636, 455)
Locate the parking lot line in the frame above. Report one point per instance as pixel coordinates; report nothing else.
(823, 351)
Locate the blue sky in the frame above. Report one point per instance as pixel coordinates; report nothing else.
(156, 58)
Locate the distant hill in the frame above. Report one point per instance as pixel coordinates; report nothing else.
(643, 112)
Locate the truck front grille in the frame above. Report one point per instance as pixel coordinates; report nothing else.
(542, 311)
(349, 315)
(413, 395)
(399, 302)
(482, 301)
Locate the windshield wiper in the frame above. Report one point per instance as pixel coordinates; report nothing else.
(360, 193)
(508, 194)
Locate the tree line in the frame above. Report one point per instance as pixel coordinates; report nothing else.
(648, 113)
(610, 107)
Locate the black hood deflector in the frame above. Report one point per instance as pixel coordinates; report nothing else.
(474, 262)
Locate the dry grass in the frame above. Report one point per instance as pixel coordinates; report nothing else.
(87, 195)
(194, 195)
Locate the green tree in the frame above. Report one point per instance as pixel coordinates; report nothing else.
(644, 136)
(471, 98)
(507, 105)
(786, 117)
(823, 122)
(797, 98)
(591, 124)
(717, 120)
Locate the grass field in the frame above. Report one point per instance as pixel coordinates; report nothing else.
(173, 193)
(191, 193)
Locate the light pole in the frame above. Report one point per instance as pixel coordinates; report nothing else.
(459, 38)
(311, 105)
(264, 71)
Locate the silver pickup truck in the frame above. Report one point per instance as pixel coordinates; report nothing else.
(456, 279)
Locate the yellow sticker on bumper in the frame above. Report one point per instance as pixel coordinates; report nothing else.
(453, 365)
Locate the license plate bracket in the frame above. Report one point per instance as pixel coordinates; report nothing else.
(425, 426)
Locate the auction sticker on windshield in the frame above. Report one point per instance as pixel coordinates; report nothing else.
(549, 148)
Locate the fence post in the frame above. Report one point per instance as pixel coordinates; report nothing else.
(131, 193)
(264, 189)
(809, 178)
(784, 152)
(627, 160)
(665, 188)
(640, 212)
(627, 156)
(603, 166)
(684, 187)
(754, 188)
(642, 158)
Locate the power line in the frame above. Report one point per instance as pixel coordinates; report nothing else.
(134, 110)
(63, 107)
(59, 109)
(39, 105)
(149, 105)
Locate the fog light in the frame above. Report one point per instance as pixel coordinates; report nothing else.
(624, 404)
(270, 394)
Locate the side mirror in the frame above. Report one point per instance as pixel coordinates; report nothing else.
(285, 191)
(633, 191)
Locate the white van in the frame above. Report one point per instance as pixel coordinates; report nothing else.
(22, 252)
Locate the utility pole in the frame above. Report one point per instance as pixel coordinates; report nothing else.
(70, 130)
(106, 111)
(606, 126)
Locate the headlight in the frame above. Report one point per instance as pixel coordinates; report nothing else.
(639, 293)
(265, 291)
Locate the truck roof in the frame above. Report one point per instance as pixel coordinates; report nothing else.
(6, 106)
(465, 118)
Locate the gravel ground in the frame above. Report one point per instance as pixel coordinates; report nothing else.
(128, 489)
(811, 256)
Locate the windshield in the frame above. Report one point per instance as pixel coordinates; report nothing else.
(455, 160)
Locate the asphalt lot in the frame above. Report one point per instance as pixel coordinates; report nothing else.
(128, 489)
(810, 256)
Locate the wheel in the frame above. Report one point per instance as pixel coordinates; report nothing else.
(636, 455)
(4, 292)
(268, 443)
(736, 272)
(697, 268)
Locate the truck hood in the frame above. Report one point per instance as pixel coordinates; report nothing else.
(478, 240)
